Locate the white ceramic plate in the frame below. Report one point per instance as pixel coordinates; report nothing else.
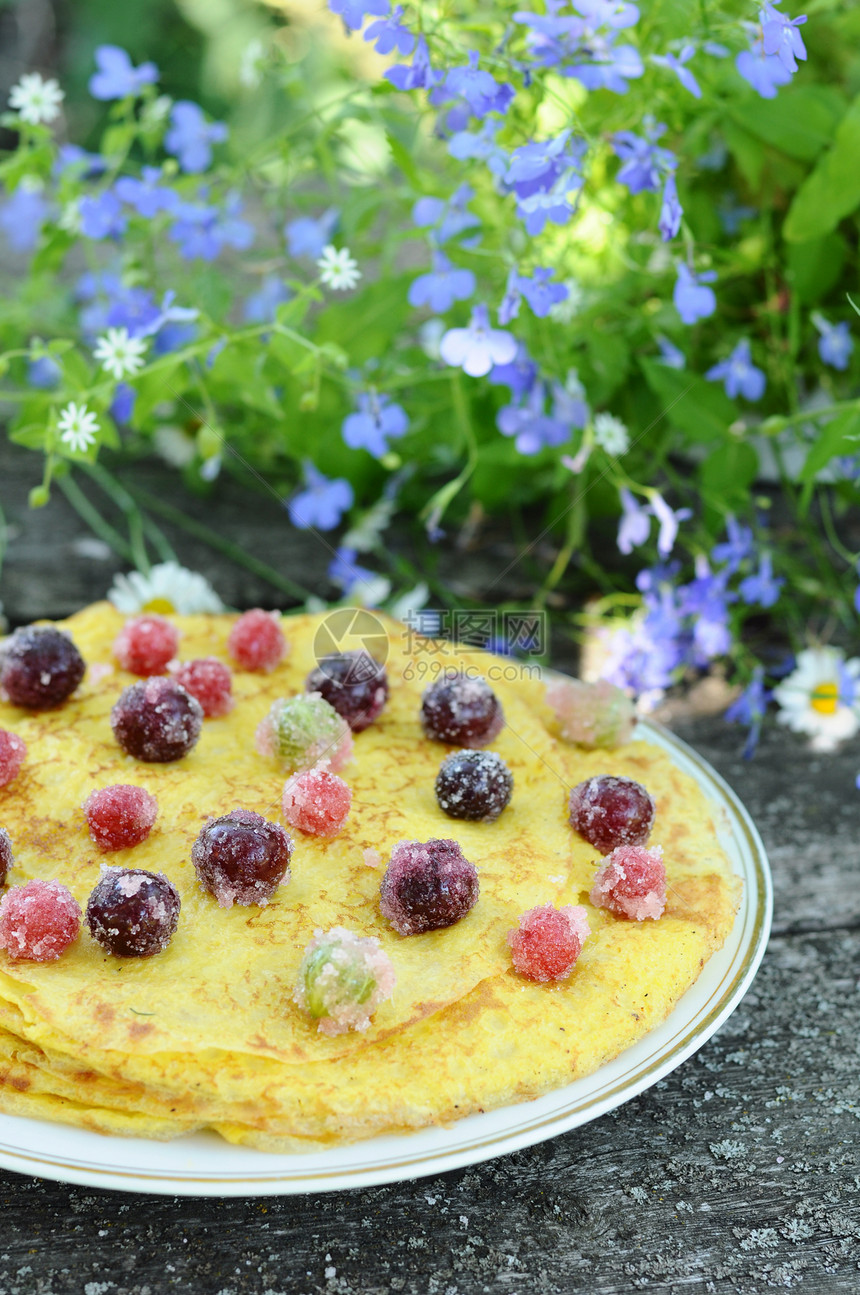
(204, 1165)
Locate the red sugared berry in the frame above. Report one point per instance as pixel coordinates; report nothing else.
(38, 921)
(241, 858)
(548, 941)
(257, 641)
(463, 710)
(145, 644)
(631, 883)
(133, 913)
(13, 749)
(474, 785)
(353, 683)
(120, 816)
(316, 802)
(427, 885)
(611, 811)
(210, 681)
(40, 667)
(156, 720)
(6, 856)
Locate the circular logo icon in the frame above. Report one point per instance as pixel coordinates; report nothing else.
(355, 630)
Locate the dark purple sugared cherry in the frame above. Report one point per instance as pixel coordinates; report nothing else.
(133, 913)
(461, 709)
(353, 683)
(427, 885)
(156, 720)
(40, 667)
(6, 856)
(474, 785)
(241, 858)
(610, 811)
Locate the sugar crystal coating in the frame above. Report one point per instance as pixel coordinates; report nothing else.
(6, 856)
(13, 750)
(592, 714)
(610, 811)
(210, 681)
(427, 885)
(257, 641)
(38, 921)
(631, 883)
(474, 785)
(354, 683)
(145, 644)
(316, 802)
(343, 978)
(40, 667)
(156, 720)
(461, 709)
(120, 816)
(301, 731)
(133, 913)
(548, 941)
(242, 858)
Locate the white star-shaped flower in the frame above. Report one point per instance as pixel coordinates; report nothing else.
(611, 434)
(338, 270)
(35, 99)
(77, 426)
(821, 697)
(120, 354)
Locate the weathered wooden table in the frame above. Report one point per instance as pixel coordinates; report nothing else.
(738, 1173)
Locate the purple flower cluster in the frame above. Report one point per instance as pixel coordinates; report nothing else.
(376, 421)
(323, 501)
(645, 166)
(738, 374)
(776, 46)
(585, 45)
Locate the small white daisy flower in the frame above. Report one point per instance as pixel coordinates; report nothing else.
(169, 588)
(36, 100)
(77, 426)
(338, 270)
(120, 354)
(821, 697)
(611, 434)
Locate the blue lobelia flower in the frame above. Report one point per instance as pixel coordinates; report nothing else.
(481, 145)
(479, 89)
(307, 236)
(203, 231)
(389, 34)
(530, 425)
(645, 163)
(147, 195)
(509, 306)
(322, 503)
(477, 348)
(117, 77)
(191, 136)
(610, 67)
(693, 300)
(84, 165)
(345, 571)
(545, 176)
(764, 72)
(101, 215)
(354, 12)
(442, 286)
(376, 420)
(739, 375)
(44, 373)
(540, 293)
(22, 216)
(737, 548)
(122, 405)
(761, 588)
(448, 219)
(780, 36)
(749, 709)
(261, 306)
(417, 75)
(676, 65)
(835, 344)
(519, 373)
(671, 211)
(670, 354)
(635, 525)
(669, 521)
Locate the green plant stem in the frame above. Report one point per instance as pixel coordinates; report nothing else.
(134, 520)
(93, 518)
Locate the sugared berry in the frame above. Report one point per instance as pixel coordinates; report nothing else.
(548, 941)
(591, 714)
(342, 980)
(40, 667)
(427, 885)
(133, 913)
(461, 709)
(353, 683)
(474, 785)
(6, 856)
(38, 921)
(13, 750)
(120, 816)
(210, 681)
(241, 858)
(156, 720)
(301, 731)
(610, 811)
(316, 802)
(257, 641)
(145, 644)
(631, 883)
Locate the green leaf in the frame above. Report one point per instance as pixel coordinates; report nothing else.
(727, 474)
(832, 190)
(52, 252)
(700, 409)
(800, 122)
(815, 267)
(840, 436)
(746, 150)
(152, 388)
(403, 160)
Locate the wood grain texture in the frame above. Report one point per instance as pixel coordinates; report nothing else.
(737, 1175)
